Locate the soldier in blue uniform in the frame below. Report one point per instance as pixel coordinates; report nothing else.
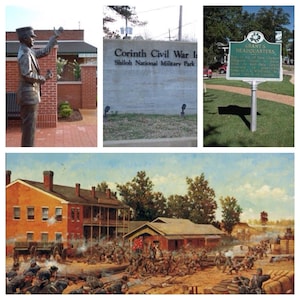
(20, 284)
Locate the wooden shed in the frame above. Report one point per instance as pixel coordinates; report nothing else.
(173, 234)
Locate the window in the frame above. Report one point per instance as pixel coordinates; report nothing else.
(58, 214)
(75, 214)
(17, 213)
(78, 214)
(30, 213)
(29, 236)
(58, 237)
(44, 237)
(45, 213)
(72, 214)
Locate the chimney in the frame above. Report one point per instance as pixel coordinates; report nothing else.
(108, 193)
(93, 192)
(8, 177)
(48, 180)
(77, 190)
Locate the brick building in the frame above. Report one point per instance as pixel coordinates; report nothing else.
(79, 92)
(48, 212)
(173, 234)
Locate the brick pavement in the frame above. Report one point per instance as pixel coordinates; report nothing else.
(67, 134)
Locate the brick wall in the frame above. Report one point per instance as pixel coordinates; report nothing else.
(47, 116)
(12, 75)
(70, 91)
(89, 86)
(19, 195)
(80, 94)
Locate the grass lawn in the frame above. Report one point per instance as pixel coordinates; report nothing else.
(283, 87)
(226, 122)
(141, 126)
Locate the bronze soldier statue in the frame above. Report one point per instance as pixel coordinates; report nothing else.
(29, 92)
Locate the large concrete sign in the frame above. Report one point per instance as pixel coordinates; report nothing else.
(254, 59)
(149, 76)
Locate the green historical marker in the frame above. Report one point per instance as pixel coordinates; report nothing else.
(254, 60)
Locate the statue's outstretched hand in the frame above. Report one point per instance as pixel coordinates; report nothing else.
(49, 74)
(58, 32)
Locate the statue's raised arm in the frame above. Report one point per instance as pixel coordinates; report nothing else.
(58, 32)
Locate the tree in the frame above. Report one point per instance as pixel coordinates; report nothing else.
(269, 20)
(60, 65)
(231, 212)
(220, 26)
(125, 11)
(198, 205)
(179, 207)
(160, 205)
(102, 187)
(231, 23)
(202, 200)
(139, 195)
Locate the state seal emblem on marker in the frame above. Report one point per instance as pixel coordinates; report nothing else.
(255, 37)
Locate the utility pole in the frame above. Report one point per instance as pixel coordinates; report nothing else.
(180, 24)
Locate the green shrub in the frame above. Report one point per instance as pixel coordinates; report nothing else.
(76, 70)
(64, 109)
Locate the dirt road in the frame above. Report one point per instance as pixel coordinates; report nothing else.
(202, 281)
(260, 94)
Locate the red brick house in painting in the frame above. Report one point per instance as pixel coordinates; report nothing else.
(173, 234)
(48, 212)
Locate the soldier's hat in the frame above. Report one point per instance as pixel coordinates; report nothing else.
(53, 268)
(11, 274)
(44, 275)
(25, 31)
(29, 273)
(61, 284)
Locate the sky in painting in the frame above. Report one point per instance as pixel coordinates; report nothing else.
(259, 182)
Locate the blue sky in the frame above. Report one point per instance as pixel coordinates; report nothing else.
(263, 181)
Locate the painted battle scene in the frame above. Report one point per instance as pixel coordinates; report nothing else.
(149, 223)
